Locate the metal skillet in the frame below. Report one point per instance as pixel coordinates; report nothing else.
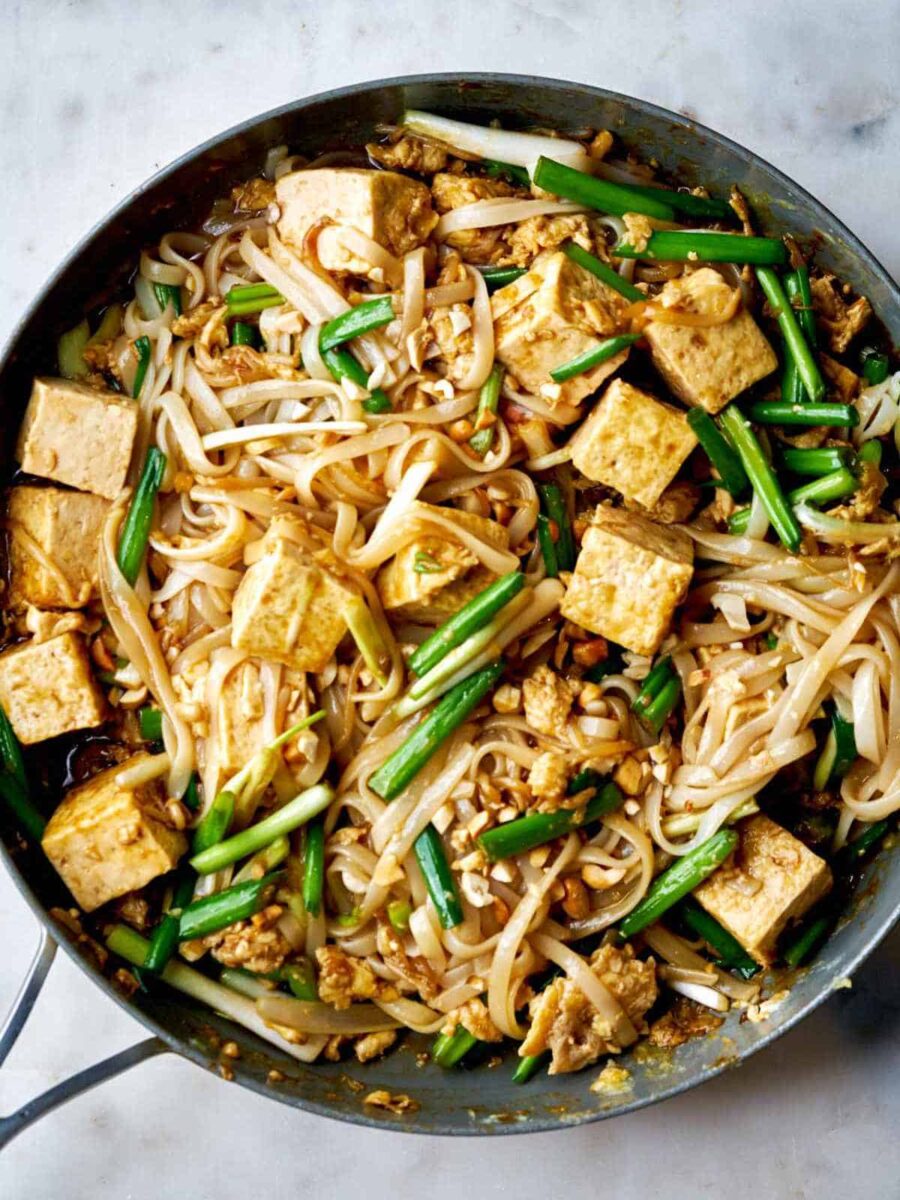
(462, 1102)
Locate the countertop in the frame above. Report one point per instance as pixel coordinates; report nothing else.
(95, 96)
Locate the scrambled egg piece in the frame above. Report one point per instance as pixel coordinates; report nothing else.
(565, 1022)
(548, 701)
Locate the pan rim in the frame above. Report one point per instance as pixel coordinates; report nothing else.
(537, 1124)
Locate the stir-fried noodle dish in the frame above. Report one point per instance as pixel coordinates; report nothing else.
(455, 591)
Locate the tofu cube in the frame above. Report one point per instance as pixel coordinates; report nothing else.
(239, 713)
(105, 839)
(390, 208)
(633, 443)
(708, 366)
(46, 688)
(78, 435)
(433, 576)
(288, 608)
(54, 536)
(630, 576)
(785, 880)
(550, 316)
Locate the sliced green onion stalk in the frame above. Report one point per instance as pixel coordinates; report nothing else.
(150, 722)
(875, 366)
(499, 277)
(166, 294)
(598, 354)
(871, 452)
(821, 461)
(215, 823)
(729, 951)
(356, 321)
(284, 820)
(498, 145)
(726, 462)
(762, 477)
(367, 636)
(251, 298)
(601, 194)
(128, 944)
(547, 544)
(797, 289)
(796, 343)
(19, 803)
(603, 271)
(684, 824)
(676, 881)
(687, 202)
(399, 912)
(429, 851)
(164, 939)
(554, 505)
(699, 245)
(191, 797)
(243, 334)
(659, 675)
(143, 351)
(255, 776)
(314, 867)
(826, 488)
(488, 402)
(70, 351)
(467, 658)
(264, 861)
(449, 1049)
(525, 833)
(528, 1066)
(136, 527)
(807, 940)
(852, 854)
(401, 767)
(660, 708)
(838, 755)
(246, 982)
(301, 979)
(221, 909)
(502, 170)
(776, 412)
(342, 365)
(473, 616)
(11, 752)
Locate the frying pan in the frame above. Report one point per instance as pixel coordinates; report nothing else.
(481, 1100)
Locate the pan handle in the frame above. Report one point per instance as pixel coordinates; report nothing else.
(30, 1112)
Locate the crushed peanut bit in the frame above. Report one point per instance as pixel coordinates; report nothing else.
(399, 1103)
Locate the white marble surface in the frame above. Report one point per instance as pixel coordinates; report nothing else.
(95, 96)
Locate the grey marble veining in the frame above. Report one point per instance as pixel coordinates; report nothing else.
(94, 96)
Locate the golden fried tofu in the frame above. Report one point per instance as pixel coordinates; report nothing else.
(390, 208)
(633, 443)
(106, 839)
(47, 688)
(708, 366)
(289, 608)
(550, 316)
(79, 435)
(433, 576)
(773, 879)
(630, 576)
(53, 546)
